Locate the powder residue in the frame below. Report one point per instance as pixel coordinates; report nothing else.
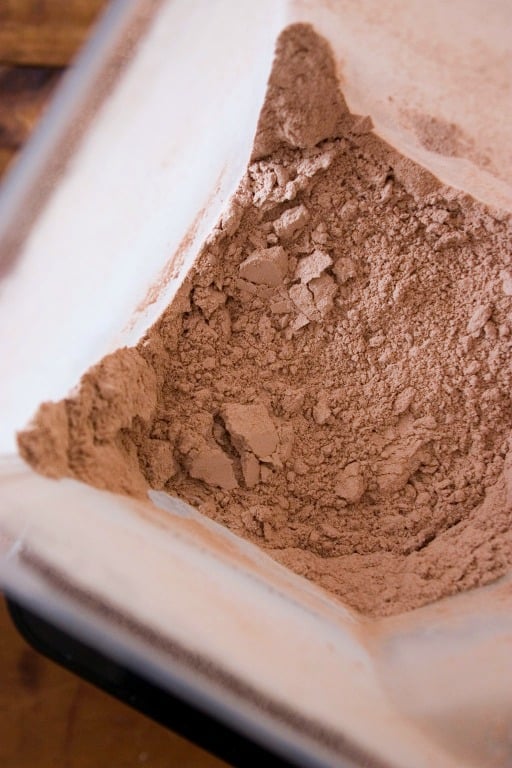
(332, 381)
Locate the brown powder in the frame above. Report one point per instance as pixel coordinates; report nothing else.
(333, 380)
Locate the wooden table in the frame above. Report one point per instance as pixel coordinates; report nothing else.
(37, 40)
(51, 719)
(48, 717)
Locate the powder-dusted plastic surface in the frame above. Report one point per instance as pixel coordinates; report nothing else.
(333, 379)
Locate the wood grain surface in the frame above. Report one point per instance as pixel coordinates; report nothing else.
(48, 717)
(51, 719)
(44, 32)
(24, 92)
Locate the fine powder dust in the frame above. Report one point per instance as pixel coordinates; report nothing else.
(332, 381)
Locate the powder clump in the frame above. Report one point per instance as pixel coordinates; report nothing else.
(267, 266)
(332, 380)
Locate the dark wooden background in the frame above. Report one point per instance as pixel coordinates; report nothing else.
(48, 717)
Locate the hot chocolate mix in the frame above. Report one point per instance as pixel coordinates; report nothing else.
(332, 380)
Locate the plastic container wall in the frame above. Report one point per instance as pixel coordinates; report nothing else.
(99, 223)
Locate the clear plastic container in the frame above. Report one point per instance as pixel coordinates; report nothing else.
(99, 221)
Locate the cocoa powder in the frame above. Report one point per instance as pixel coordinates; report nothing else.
(332, 381)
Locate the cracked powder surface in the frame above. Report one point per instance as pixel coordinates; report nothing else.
(332, 380)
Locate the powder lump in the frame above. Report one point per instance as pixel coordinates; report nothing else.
(332, 381)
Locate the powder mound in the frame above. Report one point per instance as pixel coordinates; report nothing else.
(87, 435)
(303, 105)
(332, 381)
(45, 442)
